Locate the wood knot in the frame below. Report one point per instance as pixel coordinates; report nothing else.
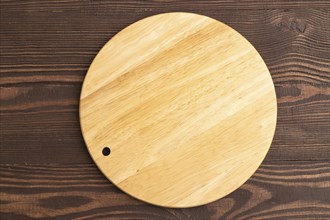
(292, 24)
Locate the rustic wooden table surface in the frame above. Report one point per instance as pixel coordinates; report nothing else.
(46, 48)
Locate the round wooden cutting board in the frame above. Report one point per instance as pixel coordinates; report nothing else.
(178, 110)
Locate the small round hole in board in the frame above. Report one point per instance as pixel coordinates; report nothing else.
(106, 151)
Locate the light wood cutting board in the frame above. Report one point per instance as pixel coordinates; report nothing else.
(178, 110)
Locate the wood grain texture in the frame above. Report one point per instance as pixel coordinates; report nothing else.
(281, 190)
(186, 105)
(169, 5)
(46, 48)
(45, 56)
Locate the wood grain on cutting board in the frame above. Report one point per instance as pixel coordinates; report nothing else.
(186, 105)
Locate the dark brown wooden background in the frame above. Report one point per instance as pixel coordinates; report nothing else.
(46, 48)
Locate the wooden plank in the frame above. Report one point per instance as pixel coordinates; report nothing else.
(285, 190)
(45, 56)
(135, 6)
